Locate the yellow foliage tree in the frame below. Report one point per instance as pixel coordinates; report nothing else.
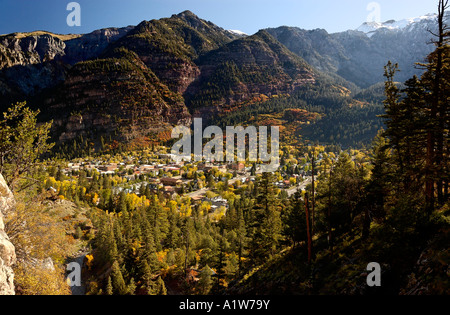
(37, 234)
(40, 280)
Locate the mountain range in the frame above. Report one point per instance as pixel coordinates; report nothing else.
(360, 55)
(136, 82)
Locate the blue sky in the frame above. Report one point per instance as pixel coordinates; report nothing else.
(245, 15)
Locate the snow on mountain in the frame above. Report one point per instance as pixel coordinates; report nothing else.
(237, 32)
(370, 28)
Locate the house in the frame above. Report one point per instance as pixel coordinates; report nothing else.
(108, 168)
(146, 168)
(171, 168)
(154, 181)
(169, 189)
(130, 177)
(170, 192)
(90, 166)
(204, 167)
(238, 166)
(217, 202)
(197, 199)
(170, 181)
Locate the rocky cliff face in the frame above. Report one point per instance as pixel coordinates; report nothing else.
(32, 62)
(91, 45)
(28, 64)
(16, 50)
(7, 252)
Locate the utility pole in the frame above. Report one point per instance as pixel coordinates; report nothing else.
(313, 194)
(308, 230)
(330, 244)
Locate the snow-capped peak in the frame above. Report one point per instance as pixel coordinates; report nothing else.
(237, 32)
(369, 28)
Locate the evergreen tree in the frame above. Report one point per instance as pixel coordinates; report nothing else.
(118, 283)
(131, 287)
(205, 283)
(294, 220)
(109, 287)
(417, 123)
(380, 182)
(265, 219)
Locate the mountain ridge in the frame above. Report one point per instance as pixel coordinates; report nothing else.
(134, 82)
(358, 56)
(369, 28)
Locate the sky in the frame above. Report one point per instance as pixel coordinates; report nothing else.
(248, 16)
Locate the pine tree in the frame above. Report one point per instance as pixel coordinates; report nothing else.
(109, 287)
(380, 182)
(294, 220)
(265, 221)
(394, 118)
(118, 283)
(122, 203)
(308, 228)
(205, 283)
(131, 289)
(439, 107)
(417, 123)
(221, 264)
(158, 287)
(158, 218)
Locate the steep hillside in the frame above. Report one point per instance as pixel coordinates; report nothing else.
(246, 69)
(411, 265)
(112, 96)
(170, 46)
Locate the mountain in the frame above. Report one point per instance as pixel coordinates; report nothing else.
(360, 55)
(134, 83)
(243, 69)
(238, 33)
(408, 25)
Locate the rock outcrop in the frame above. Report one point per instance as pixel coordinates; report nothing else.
(89, 46)
(7, 251)
(34, 49)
